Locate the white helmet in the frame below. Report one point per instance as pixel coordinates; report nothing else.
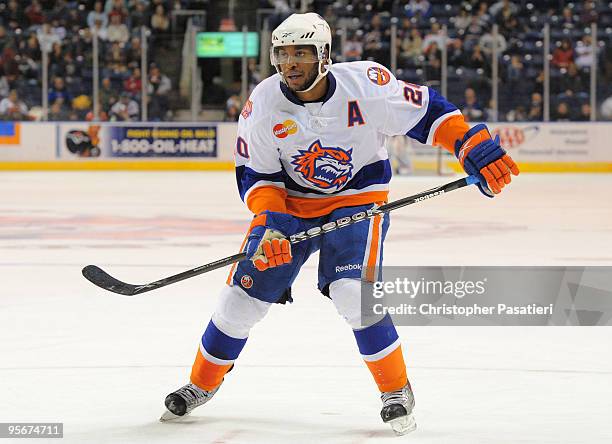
(303, 29)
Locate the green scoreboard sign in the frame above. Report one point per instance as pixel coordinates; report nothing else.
(226, 44)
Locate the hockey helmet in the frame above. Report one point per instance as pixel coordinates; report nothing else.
(308, 29)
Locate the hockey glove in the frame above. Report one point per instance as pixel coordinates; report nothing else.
(267, 245)
(483, 157)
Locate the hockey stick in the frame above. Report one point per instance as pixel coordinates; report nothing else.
(104, 280)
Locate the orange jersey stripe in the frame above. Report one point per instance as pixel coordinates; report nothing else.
(269, 198)
(206, 374)
(390, 371)
(311, 207)
(449, 131)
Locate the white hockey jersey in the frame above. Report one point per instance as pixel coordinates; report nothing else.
(328, 154)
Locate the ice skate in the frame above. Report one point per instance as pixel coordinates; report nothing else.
(181, 402)
(397, 410)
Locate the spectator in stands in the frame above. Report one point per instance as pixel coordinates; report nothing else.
(483, 16)
(571, 83)
(354, 47)
(29, 62)
(160, 21)
(584, 53)
(46, 37)
(470, 108)
(456, 52)
(477, 60)
(97, 14)
(125, 110)
(462, 21)
(563, 55)
(4, 38)
(499, 6)
(421, 9)
(133, 53)
(13, 15)
(140, 15)
(487, 41)
(491, 112)
(232, 114)
(562, 113)
(567, 18)
(474, 31)
(108, 96)
(374, 39)
(585, 113)
(159, 89)
(589, 13)
(516, 87)
(116, 7)
(100, 30)
(517, 115)
(34, 13)
(58, 29)
(435, 35)
(411, 45)
(115, 60)
(56, 60)
(253, 74)
(12, 108)
(536, 108)
(133, 84)
(433, 67)
(58, 91)
(8, 63)
(117, 31)
(57, 111)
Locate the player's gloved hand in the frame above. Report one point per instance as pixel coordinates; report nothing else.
(267, 244)
(483, 157)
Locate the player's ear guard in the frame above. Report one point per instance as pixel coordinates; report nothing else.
(267, 245)
(483, 157)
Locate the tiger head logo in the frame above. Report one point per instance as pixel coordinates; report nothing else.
(325, 167)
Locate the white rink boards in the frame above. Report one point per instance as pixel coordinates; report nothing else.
(103, 363)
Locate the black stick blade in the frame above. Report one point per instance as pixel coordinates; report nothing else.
(102, 279)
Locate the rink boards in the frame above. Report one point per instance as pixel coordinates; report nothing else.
(537, 147)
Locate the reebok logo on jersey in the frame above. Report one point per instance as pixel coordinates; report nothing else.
(324, 166)
(347, 267)
(282, 130)
(378, 75)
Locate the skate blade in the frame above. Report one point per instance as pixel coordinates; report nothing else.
(168, 416)
(403, 425)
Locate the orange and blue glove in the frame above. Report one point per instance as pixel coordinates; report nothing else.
(483, 157)
(267, 245)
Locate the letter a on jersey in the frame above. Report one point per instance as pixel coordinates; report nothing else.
(354, 114)
(325, 167)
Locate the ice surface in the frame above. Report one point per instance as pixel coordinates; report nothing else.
(103, 363)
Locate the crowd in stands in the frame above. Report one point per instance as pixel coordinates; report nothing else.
(361, 30)
(65, 29)
(470, 43)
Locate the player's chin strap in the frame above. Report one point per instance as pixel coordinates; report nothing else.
(323, 70)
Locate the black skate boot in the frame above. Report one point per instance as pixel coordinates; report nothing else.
(397, 410)
(184, 400)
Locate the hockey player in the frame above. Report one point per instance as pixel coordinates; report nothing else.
(310, 149)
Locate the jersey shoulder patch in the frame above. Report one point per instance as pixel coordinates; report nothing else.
(264, 95)
(366, 79)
